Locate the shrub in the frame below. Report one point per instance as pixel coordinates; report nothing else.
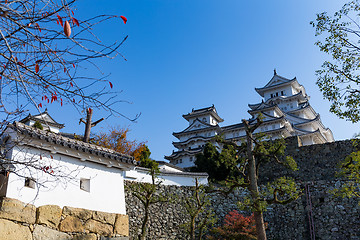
(235, 227)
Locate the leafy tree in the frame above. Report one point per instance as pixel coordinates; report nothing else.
(235, 227)
(349, 169)
(198, 209)
(209, 161)
(243, 163)
(38, 125)
(148, 193)
(117, 140)
(339, 78)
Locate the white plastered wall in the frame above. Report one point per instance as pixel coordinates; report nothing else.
(106, 184)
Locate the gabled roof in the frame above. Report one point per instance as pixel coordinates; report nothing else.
(275, 82)
(57, 139)
(43, 118)
(202, 112)
(206, 126)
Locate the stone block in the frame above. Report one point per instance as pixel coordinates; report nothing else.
(71, 224)
(90, 236)
(45, 233)
(12, 231)
(80, 213)
(98, 227)
(114, 238)
(48, 215)
(104, 217)
(13, 209)
(122, 225)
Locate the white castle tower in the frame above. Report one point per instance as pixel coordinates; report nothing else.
(286, 112)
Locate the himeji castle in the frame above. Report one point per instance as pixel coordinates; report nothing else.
(286, 112)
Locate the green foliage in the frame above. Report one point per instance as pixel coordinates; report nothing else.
(242, 164)
(147, 162)
(349, 169)
(38, 125)
(199, 212)
(235, 227)
(209, 161)
(148, 193)
(339, 79)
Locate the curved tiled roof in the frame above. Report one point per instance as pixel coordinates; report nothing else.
(58, 139)
(202, 111)
(190, 139)
(39, 118)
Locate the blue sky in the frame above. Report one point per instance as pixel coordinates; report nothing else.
(192, 54)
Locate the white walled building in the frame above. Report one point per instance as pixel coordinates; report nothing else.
(44, 167)
(286, 112)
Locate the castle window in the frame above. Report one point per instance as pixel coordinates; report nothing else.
(204, 119)
(180, 160)
(272, 95)
(282, 93)
(85, 184)
(30, 183)
(191, 159)
(277, 94)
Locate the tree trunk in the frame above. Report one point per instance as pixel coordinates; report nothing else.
(142, 236)
(88, 125)
(253, 187)
(192, 228)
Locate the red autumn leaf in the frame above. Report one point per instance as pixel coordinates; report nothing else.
(67, 29)
(40, 105)
(124, 19)
(73, 65)
(71, 84)
(60, 19)
(46, 86)
(48, 100)
(111, 86)
(24, 44)
(72, 12)
(38, 61)
(64, 69)
(90, 110)
(75, 21)
(37, 68)
(42, 98)
(57, 22)
(37, 25)
(74, 100)
(40, 157)
(21, 63)
(61, 103)
(51, 158)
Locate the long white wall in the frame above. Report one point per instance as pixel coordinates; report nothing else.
(139, 175)
(106, 184)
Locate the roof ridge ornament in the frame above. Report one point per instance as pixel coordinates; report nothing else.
(275, 72)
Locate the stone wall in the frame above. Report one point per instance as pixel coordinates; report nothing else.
(50, 222)
(333, 218)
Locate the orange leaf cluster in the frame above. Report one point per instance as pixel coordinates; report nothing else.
(117, 140)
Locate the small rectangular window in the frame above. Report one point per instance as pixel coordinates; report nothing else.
(30, 183)
(85, 184)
